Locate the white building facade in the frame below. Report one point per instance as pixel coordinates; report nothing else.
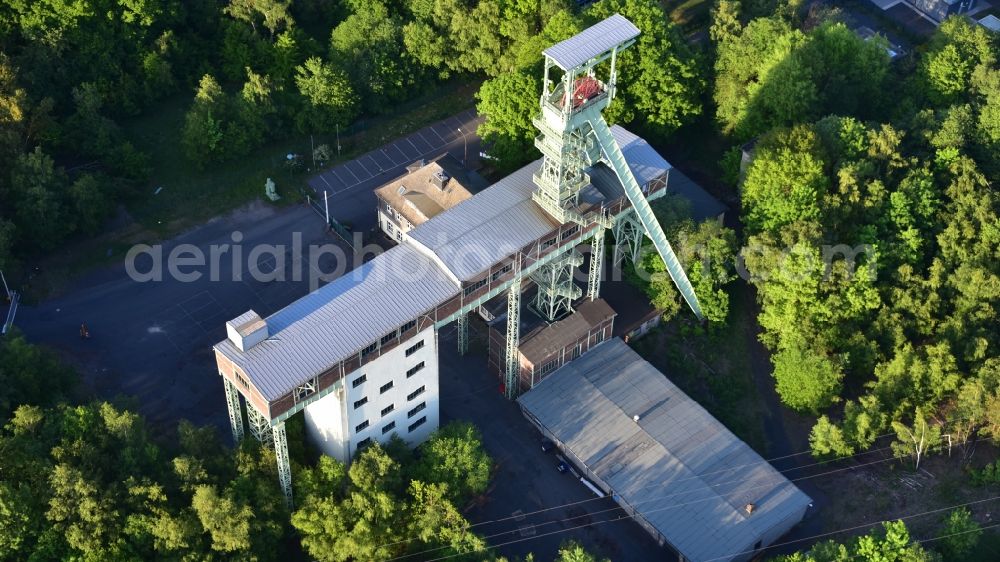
(395, 394)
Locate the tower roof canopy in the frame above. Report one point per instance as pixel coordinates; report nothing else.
(592, 42)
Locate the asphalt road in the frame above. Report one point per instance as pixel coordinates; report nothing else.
(350, 186)
(153, 340)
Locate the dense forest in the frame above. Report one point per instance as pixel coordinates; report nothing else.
(869, 227)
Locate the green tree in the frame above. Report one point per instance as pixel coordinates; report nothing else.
(960, 534)
(329, 98)
(806, 380)
(890, 544)
(827, 440)
(203, 135)
(572, 551)
(785, 182)
(508, 102)
(454, 456)
(659, 78)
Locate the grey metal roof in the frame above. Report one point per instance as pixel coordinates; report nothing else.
(703, 204)
(339, 319)
(591, 42)
(678, 467)
(471, 237)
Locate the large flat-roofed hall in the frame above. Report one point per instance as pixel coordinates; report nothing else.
(672, 467)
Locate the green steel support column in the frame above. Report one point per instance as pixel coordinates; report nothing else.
(556, 290)
(260, 426)
(284, 466)
(513, 361)
(596, 265)
(235, 410)
(463, 334)
(628, 238)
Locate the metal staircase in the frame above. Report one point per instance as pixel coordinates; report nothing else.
(616, 159)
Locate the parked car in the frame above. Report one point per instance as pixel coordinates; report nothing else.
(547, 445)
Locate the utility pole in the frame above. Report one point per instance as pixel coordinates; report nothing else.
(326, 205)
(465, 157)
(312, 149)
(5, 287)
(338, 140)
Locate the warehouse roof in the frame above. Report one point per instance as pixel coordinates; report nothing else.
(315, 332)
(677, 466)
(592, 42)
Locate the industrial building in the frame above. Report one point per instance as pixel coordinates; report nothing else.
(358, 356)
(544, 346)
(425, 191)
(669, 464)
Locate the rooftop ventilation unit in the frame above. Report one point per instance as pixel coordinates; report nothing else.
(440, 179)
(247, 330)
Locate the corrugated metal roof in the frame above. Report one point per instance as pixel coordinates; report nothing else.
(338, 320)
(592, 42)
(678, 467)
(471, 237)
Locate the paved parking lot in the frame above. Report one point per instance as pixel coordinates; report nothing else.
(526, 480)
(350, 186)
(441, 137)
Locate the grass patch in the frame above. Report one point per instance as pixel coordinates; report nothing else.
(191, 195)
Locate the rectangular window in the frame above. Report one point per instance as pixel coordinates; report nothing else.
(388, 208)
(370, 349)
(388, 409)
(364, 443)
(417, 423)
(361, 426)
(387, 338)
(242, 380)
(570, 231)
(548, 243)
(420, 408)
(549, 367)
(474, 287)
(498, 273)
(415, 393)
(389, 427)
(408, 326)
(414, 348)
(385, 388)
(415, 369)
(388, 226)
(360, 403)
(399, 236)
(357, 382)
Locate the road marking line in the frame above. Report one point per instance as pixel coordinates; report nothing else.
(341, 180)
(323, 177)
(437, 133)
(357, 180)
